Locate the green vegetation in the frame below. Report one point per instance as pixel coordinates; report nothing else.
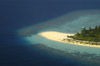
(91, 34)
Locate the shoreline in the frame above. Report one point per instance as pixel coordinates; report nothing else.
(59, 37)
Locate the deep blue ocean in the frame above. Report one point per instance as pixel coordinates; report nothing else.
(17, 14)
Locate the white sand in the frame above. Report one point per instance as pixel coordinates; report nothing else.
(58, 36)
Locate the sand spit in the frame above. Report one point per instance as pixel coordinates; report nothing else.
(58, 36)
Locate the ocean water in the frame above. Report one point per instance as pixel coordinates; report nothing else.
(17, 14)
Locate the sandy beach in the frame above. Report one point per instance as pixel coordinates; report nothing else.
(59, 36)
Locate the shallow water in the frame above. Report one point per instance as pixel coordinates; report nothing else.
(85, 18)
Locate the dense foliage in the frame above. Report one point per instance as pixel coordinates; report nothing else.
(91, 34)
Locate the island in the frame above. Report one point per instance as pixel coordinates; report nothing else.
(90, 36)
(86, 37)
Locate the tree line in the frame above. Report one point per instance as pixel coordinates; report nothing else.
(91, 34)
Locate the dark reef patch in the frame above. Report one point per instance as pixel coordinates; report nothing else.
(85, 58)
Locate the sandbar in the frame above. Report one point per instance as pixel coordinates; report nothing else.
(59, 37)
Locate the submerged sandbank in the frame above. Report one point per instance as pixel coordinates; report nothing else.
(68, 23)
(58, 36)
(74, 19)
